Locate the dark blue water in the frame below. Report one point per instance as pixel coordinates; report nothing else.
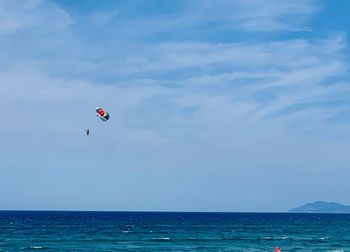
(135, 231)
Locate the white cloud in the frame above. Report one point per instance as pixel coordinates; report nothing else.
(228, 75)
(18, 15)
(231, 74)
(272, 15)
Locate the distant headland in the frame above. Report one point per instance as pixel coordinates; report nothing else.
(321, 207)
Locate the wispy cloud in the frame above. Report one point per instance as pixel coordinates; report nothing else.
(17, 16)
(257, 79)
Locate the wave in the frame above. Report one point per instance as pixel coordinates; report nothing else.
(34, 247)
(105, 239)
(161, 238)
(275, 238)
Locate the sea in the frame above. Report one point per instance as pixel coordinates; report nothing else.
(172, 231)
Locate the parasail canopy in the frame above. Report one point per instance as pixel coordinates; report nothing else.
(103, 115)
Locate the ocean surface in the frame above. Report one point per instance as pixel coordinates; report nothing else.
(152, 231)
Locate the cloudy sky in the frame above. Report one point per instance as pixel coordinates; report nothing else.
(227, 105)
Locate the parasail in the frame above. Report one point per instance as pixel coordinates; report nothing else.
(103, 115)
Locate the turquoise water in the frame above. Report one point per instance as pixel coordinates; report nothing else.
(141, 231)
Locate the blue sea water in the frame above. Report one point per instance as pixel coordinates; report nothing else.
(153, 231)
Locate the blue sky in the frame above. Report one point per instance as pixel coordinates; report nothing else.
(230, 105)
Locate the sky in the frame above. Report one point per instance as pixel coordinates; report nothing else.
(227, 105)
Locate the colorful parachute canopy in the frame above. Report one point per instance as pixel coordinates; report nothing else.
(103, 115)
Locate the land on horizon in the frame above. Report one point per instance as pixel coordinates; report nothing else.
(316, 207)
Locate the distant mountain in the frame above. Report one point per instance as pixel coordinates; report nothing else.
(321, 207)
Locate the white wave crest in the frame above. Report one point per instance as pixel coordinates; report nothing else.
(161, 238)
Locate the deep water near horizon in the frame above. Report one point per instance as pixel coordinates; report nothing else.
(161, 231)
